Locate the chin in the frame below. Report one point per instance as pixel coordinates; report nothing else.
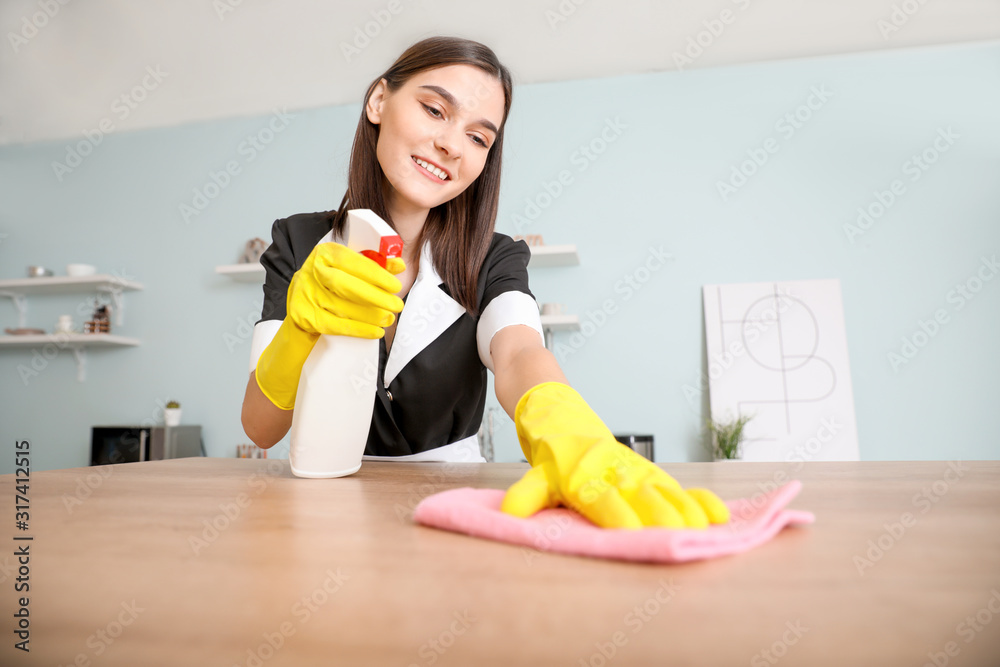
(425, 200)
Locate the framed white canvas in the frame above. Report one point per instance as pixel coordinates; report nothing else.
(778, 352)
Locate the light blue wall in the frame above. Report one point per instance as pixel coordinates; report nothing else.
(654, 185)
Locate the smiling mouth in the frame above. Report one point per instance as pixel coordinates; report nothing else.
(427, 166)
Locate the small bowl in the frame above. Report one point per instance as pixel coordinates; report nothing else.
(78, 270)
(39, 272)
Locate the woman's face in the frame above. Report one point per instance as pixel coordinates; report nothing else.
(435, 133)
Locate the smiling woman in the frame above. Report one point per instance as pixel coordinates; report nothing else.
(438, 132)
(426, 159)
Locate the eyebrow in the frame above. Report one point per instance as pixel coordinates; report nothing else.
(450, 99)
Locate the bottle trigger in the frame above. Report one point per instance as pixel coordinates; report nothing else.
(375, 256)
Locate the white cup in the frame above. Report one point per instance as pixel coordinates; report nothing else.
(80, 270)
(65, 324)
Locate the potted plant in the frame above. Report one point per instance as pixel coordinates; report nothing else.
(727, 438)
(172, 414)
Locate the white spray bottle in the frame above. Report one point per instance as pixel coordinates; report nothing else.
(336, 394)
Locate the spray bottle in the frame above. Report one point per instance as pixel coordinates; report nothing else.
(336, 394)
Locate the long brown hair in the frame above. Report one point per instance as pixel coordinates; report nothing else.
(459, 230)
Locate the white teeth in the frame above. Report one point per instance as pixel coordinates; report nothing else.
(431, 168)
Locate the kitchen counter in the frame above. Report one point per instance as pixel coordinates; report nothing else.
(236, 562)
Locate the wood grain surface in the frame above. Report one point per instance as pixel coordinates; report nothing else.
(236, 562)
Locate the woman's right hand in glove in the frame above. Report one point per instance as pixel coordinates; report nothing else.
(336, 291)
(342, 292)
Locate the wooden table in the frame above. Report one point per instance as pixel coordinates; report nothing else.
(235, 562)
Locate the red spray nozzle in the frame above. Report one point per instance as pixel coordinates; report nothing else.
(389, 246)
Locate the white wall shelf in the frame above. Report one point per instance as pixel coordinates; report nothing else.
(544, 256)
(67, 284)
(74, 342)
(541, 257)
(552, 323)
(561, 322)
(554, 256)
(18, 290)
(68, 340)
(244, 273)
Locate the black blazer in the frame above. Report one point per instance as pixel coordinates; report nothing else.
(432, 387)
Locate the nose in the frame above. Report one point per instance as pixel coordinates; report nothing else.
(449, 142)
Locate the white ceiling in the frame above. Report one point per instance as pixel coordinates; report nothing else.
(65, 77)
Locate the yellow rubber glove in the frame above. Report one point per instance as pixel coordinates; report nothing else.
(577, 462)
(336, 291)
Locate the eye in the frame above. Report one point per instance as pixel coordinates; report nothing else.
(479, 140)
(432, 111)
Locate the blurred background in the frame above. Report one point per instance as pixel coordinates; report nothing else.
(154, 140)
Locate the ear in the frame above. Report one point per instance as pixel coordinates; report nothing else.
(375, 101)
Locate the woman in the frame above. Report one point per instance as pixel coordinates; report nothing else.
(426, 158)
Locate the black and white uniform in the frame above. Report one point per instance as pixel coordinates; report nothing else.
(432, 386)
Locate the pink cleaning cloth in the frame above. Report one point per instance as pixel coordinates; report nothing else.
(477, 512)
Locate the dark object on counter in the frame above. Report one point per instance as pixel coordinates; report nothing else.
(101, 322)
(132, 444)
(640, 444)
